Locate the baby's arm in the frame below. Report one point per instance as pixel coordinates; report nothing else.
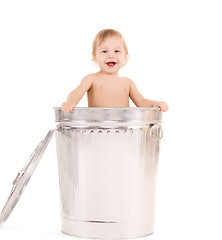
(75, 96)
(140, 101)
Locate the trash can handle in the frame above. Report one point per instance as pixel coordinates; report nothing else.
(156, 132)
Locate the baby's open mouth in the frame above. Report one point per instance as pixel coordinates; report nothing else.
(111, 63)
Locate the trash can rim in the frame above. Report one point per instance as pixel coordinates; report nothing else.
(118, 115)
(121, 108)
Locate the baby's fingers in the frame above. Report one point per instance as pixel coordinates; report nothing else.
(64, 107)
(71, 108)
(67, 107)
(164, 107)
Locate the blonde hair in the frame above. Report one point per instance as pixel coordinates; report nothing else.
(103, 35)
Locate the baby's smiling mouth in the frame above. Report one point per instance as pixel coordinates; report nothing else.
(110, 64)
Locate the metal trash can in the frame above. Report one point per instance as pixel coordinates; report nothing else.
(107, 161)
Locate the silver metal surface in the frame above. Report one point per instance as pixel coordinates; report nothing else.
(93, 116)
(107, 160)
(23, 177)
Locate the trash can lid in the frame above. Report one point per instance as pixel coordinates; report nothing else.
(109, 116)
(23, 177)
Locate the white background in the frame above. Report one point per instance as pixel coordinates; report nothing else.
(175, 55)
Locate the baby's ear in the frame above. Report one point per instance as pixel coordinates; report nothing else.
(94, 57)
(126, 58)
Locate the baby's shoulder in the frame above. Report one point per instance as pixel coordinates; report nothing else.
(127, 80)
(89, 78)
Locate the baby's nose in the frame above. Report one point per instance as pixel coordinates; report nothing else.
(111, 56)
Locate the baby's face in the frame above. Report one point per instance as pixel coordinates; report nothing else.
(110, 55)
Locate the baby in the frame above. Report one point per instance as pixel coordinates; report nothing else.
(106, 88)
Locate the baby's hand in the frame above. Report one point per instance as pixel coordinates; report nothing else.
(162, 105)
(68, 107)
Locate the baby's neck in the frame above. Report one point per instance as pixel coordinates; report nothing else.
(105, 74)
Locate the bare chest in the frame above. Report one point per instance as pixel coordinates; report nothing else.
(110, 87)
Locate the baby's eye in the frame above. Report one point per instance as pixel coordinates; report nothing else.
(104, 51)
(117, 51)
